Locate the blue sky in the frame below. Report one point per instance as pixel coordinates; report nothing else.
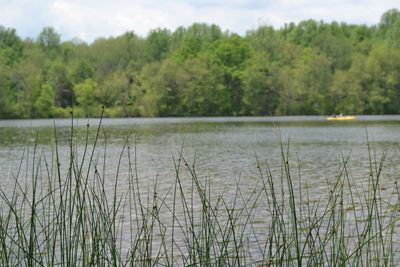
(89, 19)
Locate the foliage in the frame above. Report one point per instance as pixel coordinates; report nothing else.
(10, 46)
(311, 67)
(44, 103)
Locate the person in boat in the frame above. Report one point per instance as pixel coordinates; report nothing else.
(337, 116)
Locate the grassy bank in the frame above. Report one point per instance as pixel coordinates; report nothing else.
(79, 210)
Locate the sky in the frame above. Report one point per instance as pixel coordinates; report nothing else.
(91, 19)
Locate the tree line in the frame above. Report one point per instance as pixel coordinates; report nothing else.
(308, 68)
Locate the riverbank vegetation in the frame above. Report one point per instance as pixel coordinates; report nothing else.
(78, 210)
(311, 67)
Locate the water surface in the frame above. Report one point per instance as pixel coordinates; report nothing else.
(222, 148)
(225, 151)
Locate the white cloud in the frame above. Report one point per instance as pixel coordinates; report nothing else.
(90, 19)
(108, 19)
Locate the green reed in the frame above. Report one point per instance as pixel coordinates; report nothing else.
(74, 211)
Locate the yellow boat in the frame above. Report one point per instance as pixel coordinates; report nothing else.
(341, 118)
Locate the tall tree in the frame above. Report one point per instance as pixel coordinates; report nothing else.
(197, 37)
(62, 85)
(158, 43)
(232, 54)
(390, 26)
(11, 48)
(49, 40)
(260, 94)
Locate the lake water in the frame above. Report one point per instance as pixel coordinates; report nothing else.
(222, 148)
(225, 150)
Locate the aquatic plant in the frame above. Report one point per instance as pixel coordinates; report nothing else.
(72, 211)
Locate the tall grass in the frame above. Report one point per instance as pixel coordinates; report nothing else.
(74, 212)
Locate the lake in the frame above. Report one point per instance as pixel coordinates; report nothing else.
(225, 152)
(222, 148)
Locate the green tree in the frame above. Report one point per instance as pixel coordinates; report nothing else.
(82, 71)
(356, 90)
(44, 104)
(337, 47)
(304, 33)
(117, 53)
(85, 99)
(383, 70)
(310, 67)
(194, 39)
(232, 55)
(117, 91)
(203, 91)
(267, 40)
(312, 79)
(59, 79)
(11, 48)
(158, 43)
(49, 40)
(287, 98)
(7, 99)
(390, 26)
(346, 92)
(260, 94)
(162, 89)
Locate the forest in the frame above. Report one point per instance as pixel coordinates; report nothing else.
(306, 68)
